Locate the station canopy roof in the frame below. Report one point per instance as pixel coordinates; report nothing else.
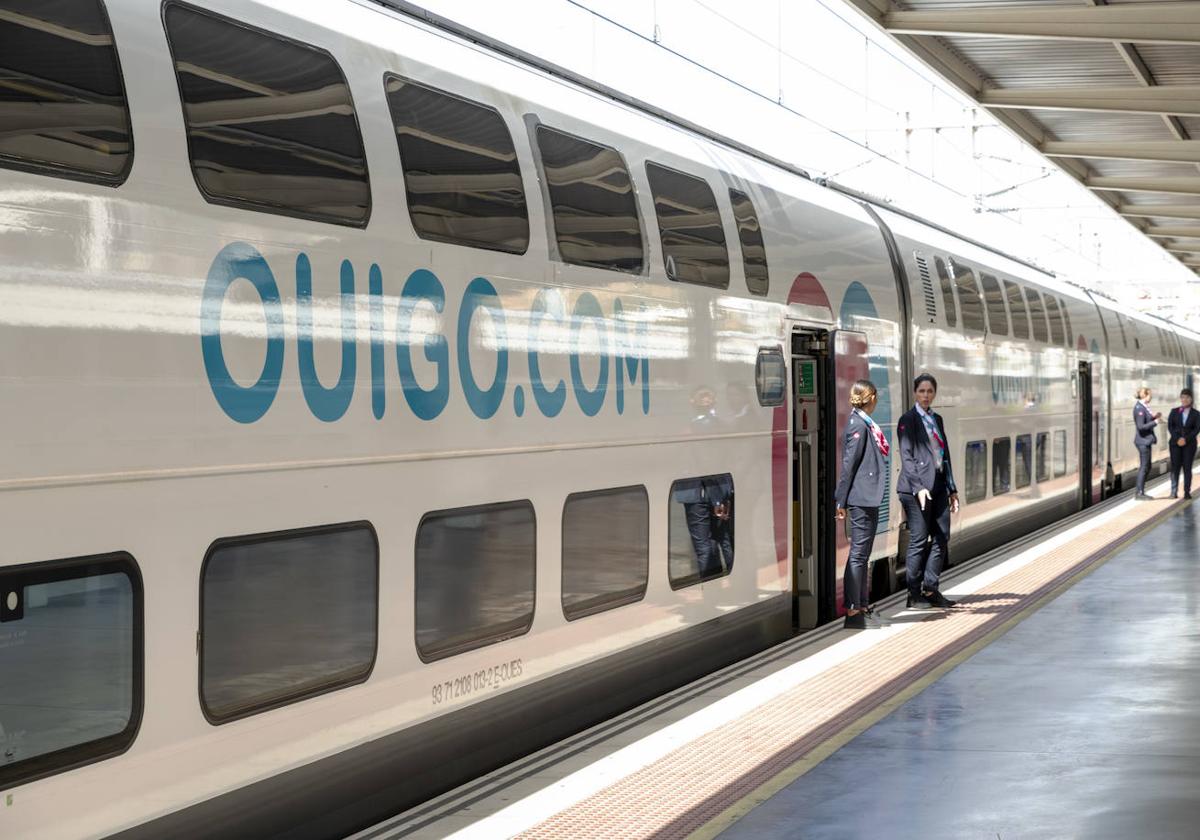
(1109, 89)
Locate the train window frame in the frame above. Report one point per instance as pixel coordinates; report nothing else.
(1041, 457)
(263, 206)
(1062, 305)
(79, 173)
(1025, 464)
(694, 579)
(1121, 326)
(418, 226)
(976, 487)
(770, 355)
(298, 696)
(619, 598)
(949, 299)
(1060, 452)
(673, 274)
(1020, 318)
(994, 304)
(536, 128)
(81, 568)
(1037, 316)
(757, 288)
(1058, 330)
(493, 636)
(974, 318)
(1002, 472)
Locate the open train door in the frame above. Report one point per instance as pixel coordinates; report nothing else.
(1088, 422)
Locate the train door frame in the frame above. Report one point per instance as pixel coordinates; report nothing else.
(1087, 432)
(813, 545)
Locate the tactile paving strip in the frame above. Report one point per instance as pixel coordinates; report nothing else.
(684, 790)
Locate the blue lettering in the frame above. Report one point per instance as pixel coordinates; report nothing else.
(629, 336)
(484, 403)
(327, 404)
(422, 285)
(590, 400)
(375, 300)
(238, 261)
(550, 402)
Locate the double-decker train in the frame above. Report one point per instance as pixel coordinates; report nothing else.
(364, 383)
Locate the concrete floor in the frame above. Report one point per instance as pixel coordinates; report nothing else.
(1083, 721)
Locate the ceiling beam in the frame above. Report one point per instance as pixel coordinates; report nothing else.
(1176, 151)
(1161, 211)
(1181, 100)
(1177, 186)
(1171, 232)
(1141, 23)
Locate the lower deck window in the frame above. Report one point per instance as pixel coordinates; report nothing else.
(475, 573)
(605, 550)
(1001, 466)
(700, 530)
(70, 664)
(285, 616)
(1060, 452)
(976, 489)
(1024, 462)
(1043, 456)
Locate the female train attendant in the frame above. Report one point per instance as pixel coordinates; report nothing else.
(1144, 437)
(860, 490)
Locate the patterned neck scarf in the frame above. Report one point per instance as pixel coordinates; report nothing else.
(876, 432)
(931, 429)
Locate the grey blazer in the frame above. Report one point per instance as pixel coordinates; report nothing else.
(863, 467)
(1143, 426)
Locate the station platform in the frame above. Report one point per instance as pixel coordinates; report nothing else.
(1058, 699)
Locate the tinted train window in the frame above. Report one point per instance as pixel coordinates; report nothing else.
(1042, 456)
(285, 616)
(1060, 453)
(1121, 327)
(460, 169)
(591, 194)
(71, 660)
(947, 292)
(270, 122)
(700, 529)
(693, 238)
(1024, 460)
(1001, 466)
(1067, 321)
(62, 98)
(605, 551)
(968, 298)
(1016, 305)
(754, 251)
(770, 376)
(976, 459)
(1057, 333)
(475, 572)
(1037, 315)
(997, 315)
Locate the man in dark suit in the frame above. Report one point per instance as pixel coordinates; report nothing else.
(708, 510)
(928, 493)
(1144, 437)
(1183, 425)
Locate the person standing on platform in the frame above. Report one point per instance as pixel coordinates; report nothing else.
(1144, 437)
(928, 493)
(1183, 425)
(859, 494)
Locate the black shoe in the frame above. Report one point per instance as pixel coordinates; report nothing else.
(1187, 495)
(916, 602)
(1174, 495)
(858, 621)
(939, 600)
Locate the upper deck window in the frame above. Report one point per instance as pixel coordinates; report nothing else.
(1057, 332)
(1037, 314)
(947, 292)
(693, 238)
(594, 208)
(754, 251)
(1016, 305)
(997, 314)
(270, 122)
(62, 98)
(968, 298)
(460, 169)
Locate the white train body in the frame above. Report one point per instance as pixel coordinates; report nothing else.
(160, 400)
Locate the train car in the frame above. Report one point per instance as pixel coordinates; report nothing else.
(382, 404)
